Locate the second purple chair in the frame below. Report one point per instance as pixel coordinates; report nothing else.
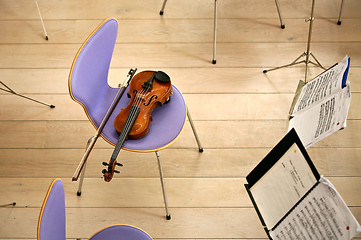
(52, 220)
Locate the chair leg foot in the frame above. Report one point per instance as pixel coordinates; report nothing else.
(283, 26)
(338, 22)
(168, 217)
(200, 149)
(214, 61)
(78, 194)
(161, 13)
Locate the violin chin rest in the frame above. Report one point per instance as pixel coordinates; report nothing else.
(162, 77)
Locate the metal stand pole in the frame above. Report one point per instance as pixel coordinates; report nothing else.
(341, 10)
(163, 6)
(214, 61)
(307, 53)
(9, 90)
(41, 19)
(163, 188)
(279, 14)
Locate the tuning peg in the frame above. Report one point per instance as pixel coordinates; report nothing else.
(119, 164)
(116, 171)
(105, 163)
(104, 171)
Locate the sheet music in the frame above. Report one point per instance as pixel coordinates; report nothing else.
(283, 186)
(321, 215)
(323, 119)
(323, 105)
(321, 87)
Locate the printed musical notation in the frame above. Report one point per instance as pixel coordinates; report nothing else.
(322, 214)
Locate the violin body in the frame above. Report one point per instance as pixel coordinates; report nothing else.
(146, 100)
(147, 90)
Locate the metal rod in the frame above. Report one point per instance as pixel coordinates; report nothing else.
(9, 90)
(41, 19)
(341, 10)
(163, 6)
(200, 148)
(9, 204)
(279, 14)
(163, 188)
(214, 61)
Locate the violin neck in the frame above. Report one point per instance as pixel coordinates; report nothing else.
(133, 114)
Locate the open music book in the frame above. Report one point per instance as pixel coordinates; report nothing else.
(293, 201)
(320, 107)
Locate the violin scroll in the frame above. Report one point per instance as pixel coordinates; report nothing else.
(108, 174)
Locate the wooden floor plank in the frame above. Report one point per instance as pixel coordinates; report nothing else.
(201, 80)
(186, 9)
(179, 54)
(146, 192)
(223, 134)
(176, 162)
(186, 222)
(188, 30)
(202, 107)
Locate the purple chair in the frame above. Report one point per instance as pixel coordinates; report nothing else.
(88, 85)
(52, 222)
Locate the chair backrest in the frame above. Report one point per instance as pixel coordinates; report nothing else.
(121, 232)
(51, 224)
(88, 78)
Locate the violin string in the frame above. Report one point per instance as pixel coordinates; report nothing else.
(136, 103)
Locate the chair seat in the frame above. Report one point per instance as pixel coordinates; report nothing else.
(167, 123)
(121, 232)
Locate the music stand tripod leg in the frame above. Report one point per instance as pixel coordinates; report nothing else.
(287, 65)
(9, 90)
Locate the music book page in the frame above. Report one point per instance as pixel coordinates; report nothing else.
(322, 105)
(323, 119)
(322, 214)
(283, 186)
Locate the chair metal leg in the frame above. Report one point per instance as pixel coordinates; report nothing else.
(341, 10)
(279, 14)
(41, 19)
(78, 193)
(214, 61)
(163, 188)
(163, 6)
(200, 148)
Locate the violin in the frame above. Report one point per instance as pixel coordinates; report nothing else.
(147, 90)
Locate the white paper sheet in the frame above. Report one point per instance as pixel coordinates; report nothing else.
(283, 186)
(322, 106)
(323, 118)
(321, 215)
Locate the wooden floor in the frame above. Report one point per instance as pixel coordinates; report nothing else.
(239, 112)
